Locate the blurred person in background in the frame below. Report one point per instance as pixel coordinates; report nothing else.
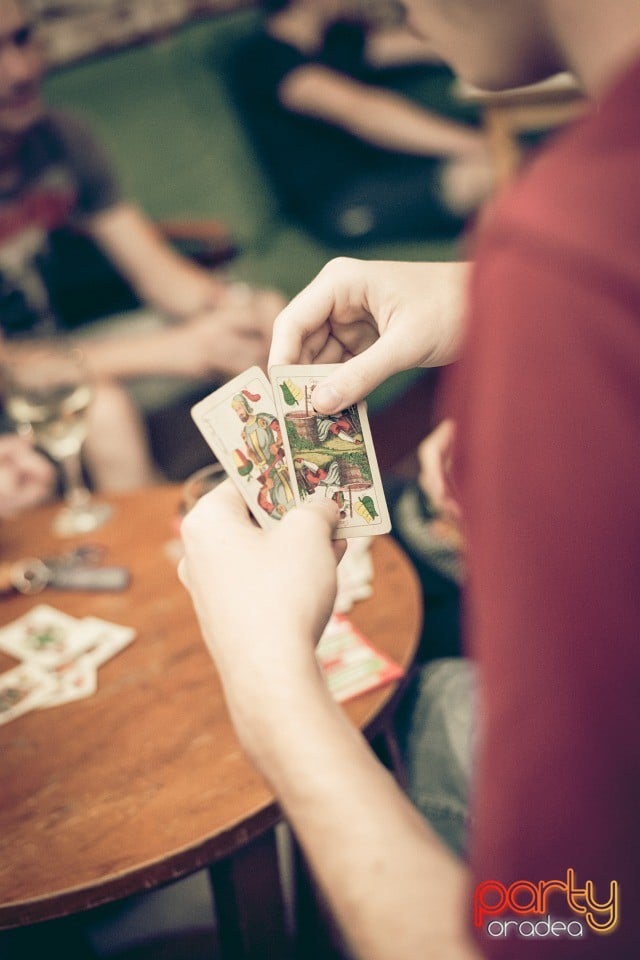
(335, 104)
(54, 175)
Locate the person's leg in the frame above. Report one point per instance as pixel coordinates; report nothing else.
(116, 451)
(437, 733)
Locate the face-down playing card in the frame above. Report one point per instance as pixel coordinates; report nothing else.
(330, 455)
(240, 424)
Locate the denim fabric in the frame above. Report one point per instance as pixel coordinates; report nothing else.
(437, 736)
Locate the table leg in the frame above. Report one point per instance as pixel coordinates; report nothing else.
(249, 903)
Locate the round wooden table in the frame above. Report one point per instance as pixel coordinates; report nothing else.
(145, 781)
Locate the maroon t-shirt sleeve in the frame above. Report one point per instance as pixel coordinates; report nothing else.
(549, 418)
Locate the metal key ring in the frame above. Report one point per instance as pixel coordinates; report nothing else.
(29, 576)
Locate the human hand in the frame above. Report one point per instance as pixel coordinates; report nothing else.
(435, 456)
(376, 317)
(261, 305)
(262, 600)
(26, 477)
(226, 338)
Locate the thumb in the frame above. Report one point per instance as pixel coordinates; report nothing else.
(317, 517)
(354, 379)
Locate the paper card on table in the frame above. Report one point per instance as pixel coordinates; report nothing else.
(45, 636)
(240, 424)
(350, 663)
(108, 639)
(330, 456)
(73, 681)
(23, 689)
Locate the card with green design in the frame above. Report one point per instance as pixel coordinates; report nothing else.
(329, 456)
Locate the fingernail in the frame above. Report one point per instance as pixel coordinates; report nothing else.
(327, 397)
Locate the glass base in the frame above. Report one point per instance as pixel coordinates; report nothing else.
(71, 521)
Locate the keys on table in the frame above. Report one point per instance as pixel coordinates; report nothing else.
(79, 569)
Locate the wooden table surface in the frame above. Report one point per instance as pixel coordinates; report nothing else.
(145, 781)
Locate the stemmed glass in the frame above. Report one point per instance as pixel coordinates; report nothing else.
(47, 393)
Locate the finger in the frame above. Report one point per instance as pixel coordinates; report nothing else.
(339, 549)
(452, 509)
(220, 507)
(37, 466)
(226, 499)
(356, 378)
(331, 352)
(319, 517)
(243, 327)
(8, 480)
(433, 485)
(302, 316)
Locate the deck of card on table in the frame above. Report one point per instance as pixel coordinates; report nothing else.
(59, 658)
(280, 452)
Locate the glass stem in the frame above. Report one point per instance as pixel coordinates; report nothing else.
(76, 494)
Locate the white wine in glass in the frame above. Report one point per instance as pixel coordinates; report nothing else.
(47, 394)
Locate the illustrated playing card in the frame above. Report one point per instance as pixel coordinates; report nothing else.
(44, 636)
(73, 681)
(330, 455)
(350, 664)
(240, 424)
(108, 639)
(23, 689)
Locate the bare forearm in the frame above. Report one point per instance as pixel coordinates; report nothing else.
(394, 47)
(378, 116)
(398, 124)
(160, 276)
(394, 888)
(132, 356)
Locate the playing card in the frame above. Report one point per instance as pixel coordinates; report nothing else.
(23, 689)
(73, 681)
(330, 456)
(45, 636)
(108, 640)
(355, 574)
(350, 664)
(240, 424)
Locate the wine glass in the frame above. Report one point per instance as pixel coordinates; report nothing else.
(47, 394)
(199, 483)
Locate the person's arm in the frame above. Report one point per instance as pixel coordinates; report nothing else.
(435, 457)
(161, 277)
(219, 342)
(225, 328)
(398, 46)
(374, 317)
(394, 888)
(376, 115)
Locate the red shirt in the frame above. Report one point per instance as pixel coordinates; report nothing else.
(549, 423)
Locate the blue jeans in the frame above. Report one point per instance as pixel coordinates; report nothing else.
(437, 736)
